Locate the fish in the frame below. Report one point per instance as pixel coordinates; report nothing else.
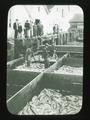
(52, 102)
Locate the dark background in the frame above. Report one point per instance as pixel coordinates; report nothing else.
(5, 6)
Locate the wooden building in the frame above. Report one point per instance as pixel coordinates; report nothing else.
(77, 27)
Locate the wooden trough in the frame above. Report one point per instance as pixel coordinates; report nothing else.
(70, 84)
(12, 64)
(67, 48)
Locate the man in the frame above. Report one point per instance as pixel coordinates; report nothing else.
(53, 29)
(15, 27)
(39, 29)
(35, 29)
(28, 56)
(20, 30)
(27, 28)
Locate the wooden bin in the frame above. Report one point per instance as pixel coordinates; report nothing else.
(70, 84)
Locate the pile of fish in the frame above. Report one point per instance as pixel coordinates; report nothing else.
(33, 67)
(37, 58)
(70, 70)
(40, 58)
(52, 102)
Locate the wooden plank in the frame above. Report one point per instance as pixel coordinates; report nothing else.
(71, 83)
(20, 77)
(13, 63)
(73, 61)
(57, 64)
(12, 89)
(64, 78)
(20, 99)
(67, 48)
(71, 52)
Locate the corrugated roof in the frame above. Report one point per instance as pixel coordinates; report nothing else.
(77, 18)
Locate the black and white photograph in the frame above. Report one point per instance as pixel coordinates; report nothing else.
(45, 59)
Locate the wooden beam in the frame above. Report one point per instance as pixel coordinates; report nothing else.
(20, 99)
(13, 63)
